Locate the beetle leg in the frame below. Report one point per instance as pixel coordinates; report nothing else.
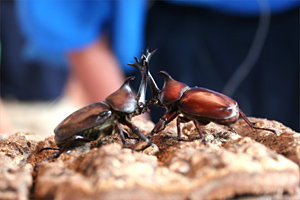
(123, 135)
(65, 147)
(75, 138)
(252, 125)
(178, 128)
(180, 119)
(167, 118)
(136, 131)
(129, 137)
(119, 130)
(199, 131)
(158, 126)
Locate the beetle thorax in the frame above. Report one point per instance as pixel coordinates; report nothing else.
(122, 100)
(172, 92)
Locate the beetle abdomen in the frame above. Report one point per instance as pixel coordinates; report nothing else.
(96, 114)
(204, 103)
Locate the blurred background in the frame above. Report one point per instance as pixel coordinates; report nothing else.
(58, 56)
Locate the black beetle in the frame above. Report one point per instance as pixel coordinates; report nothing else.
(97, 120)
(196, 104)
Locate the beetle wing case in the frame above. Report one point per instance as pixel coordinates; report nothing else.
(122, 100)
(201, 102)
(90, 116)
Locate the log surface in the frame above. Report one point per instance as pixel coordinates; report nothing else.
(254, 164)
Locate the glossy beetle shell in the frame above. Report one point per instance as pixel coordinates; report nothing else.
(96, 114)
(213, 106)
(122, 100)
(172, 90)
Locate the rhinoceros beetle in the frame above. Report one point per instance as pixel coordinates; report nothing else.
(97, 120)
(196, 104)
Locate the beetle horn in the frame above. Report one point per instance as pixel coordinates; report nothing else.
(136, 65)
(149, 54)
(166, 75)
(154, 89)
(141, 95)
(126, 82)
(124, 87)
(144, 58)
(143, 67)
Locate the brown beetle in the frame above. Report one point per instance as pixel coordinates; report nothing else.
(97, 120)
(102, 118)
(196, 104)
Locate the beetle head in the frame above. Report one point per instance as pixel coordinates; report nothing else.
(122, 100)
(172, 90)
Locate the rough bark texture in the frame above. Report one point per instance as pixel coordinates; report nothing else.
(254, 164)
(15, 174)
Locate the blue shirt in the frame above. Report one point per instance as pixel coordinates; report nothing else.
(53, 28)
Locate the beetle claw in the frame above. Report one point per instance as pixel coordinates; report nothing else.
(265, 129)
